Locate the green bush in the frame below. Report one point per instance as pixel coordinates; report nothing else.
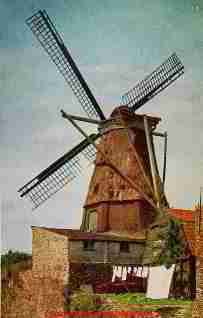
(82, 301)
(14, 257)
(174, 243)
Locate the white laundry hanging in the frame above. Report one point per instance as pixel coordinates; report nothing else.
(124, 273)
(139, 272)
(145, 271)
(129, 269)
(135, 271)
(117, 272)
(159, 281)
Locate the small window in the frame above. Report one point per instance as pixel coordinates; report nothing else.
(89, 245)
(92, 224)
(124, 247)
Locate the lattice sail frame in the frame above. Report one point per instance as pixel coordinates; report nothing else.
(46, 33)
(58, 174)
(154, 83)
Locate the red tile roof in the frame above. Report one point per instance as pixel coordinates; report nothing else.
(187, 216)
(189, 230)
(182, 214)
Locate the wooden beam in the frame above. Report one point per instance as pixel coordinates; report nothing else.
(165, 154)
(148, 181)
(152, 160)
(127, 127)
(79, 118)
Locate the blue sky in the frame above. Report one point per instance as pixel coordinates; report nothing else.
(115, 44)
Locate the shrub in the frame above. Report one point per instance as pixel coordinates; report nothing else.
(14, 257)
(174, 243)
(82, 301)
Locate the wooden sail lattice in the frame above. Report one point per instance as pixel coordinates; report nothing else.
(90, 153)
(46, 33)
(58, 174)
(154, 83)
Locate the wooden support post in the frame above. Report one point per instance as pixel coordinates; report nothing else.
(154, 156)
(165, 153)
(158, 179)
(106, 252)
(139, 162)
(200, 209)
(152, 160)
(87, 120)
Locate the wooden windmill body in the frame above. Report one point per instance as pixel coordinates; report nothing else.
(112, 204)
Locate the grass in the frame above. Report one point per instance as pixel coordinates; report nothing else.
(14, 262)
(140, 298)
(138, 302)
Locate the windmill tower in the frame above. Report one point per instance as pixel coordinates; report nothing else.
(112, 204)
(125, 188)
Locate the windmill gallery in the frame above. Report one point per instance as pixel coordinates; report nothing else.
(126, 211)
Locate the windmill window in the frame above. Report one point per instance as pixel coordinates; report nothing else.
(124, 247)
(92, 220)
(89, 245)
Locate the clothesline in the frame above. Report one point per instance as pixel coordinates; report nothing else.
(135, 271)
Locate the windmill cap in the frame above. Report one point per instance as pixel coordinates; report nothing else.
(124, 112)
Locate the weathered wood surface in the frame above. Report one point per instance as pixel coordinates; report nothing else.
(107, 185)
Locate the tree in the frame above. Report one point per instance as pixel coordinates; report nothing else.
(174, 243)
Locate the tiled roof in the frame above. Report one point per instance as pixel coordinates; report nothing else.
(187, 216)
(182, 214)
(189, 230)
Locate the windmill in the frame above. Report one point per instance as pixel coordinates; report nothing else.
(126, 180)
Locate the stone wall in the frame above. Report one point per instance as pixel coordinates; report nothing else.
(49, 254)
(105, 252)
(35, 297)
(134, 256)
(78, 254)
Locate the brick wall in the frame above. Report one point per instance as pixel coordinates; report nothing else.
(200, 274)
(199, 253)
(49, 254)
(198, 304)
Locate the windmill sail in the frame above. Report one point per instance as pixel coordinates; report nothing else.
(46, 33)
(154, 83)
(58, 174)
